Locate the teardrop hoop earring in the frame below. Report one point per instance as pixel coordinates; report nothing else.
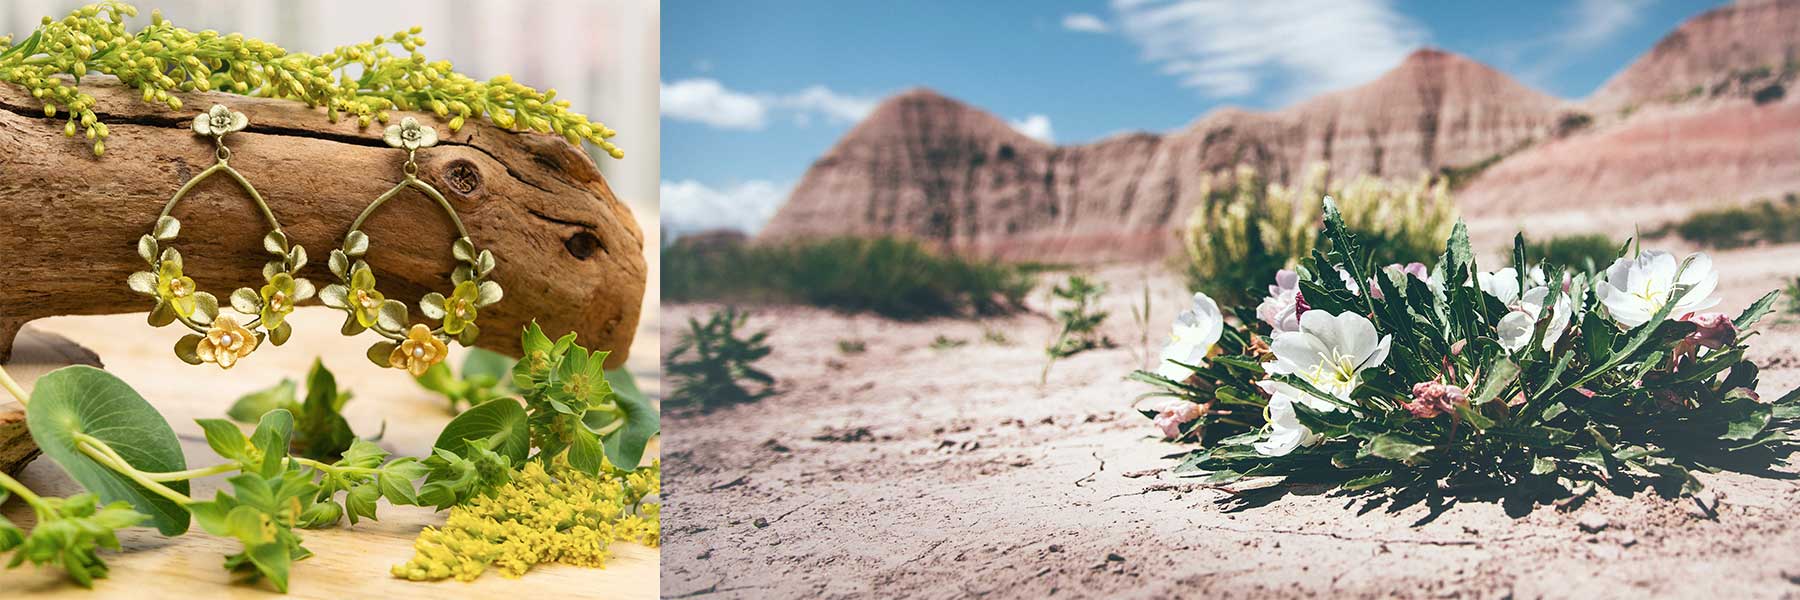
(417, 347)
(220, 339)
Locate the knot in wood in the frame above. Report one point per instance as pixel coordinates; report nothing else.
(463, 178)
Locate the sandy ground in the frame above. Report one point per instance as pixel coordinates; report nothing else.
(912, 471)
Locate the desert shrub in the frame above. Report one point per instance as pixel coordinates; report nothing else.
(1245, 228)
(944, 342)
(1578, 252)
(710, 366)
(848, 346)
(1766, 221)
(892, 277)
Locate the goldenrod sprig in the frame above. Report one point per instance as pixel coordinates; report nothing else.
(364, 81)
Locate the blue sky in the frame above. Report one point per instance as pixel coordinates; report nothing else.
(754, 91)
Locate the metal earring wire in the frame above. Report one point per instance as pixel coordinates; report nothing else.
(220, 339)
(413, 347)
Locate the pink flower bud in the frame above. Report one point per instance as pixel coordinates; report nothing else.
(1172, 415)
(1713, 330)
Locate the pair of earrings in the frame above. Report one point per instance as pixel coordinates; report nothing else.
(223, 339)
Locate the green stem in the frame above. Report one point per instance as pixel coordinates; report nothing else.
(24, 493)
(96, 449)
(193, 473)
(12, 387)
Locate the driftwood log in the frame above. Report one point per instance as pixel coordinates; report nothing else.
(569, 253)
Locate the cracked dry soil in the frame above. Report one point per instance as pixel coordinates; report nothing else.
(908, 471)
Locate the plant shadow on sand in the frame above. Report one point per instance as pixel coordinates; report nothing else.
(1518, 499)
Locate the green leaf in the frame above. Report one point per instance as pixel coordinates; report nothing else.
(379, 352)
(276, 243)
(88, 400)
(1756, 311)
(391, 317)
(188, 349)
(585, 453)
(1751, 421)
(483, 362)
(360, 501)
(272, 436)
(1501, 373)
(273, 561)
(625, 446)
(1395, 446)
(1368, 481)
(501, 422)
(252, 406)
(356, 244)
(321, 433)
(224, 438)
(1542, 466)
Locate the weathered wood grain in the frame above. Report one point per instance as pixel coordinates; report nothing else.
(570, 253)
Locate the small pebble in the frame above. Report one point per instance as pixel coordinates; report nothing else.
(1593, 522)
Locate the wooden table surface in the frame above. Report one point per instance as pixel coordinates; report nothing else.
(349, 561)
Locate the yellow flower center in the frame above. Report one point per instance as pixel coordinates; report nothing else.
(365, 300)
(179, 288)
(1335, 375)
(226, 340)
(278, 300)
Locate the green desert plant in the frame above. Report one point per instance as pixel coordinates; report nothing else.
(1766, 221)
(944, 342)
(711, 366)
(892, 277)
(485, 375)
(1245, 228)
(850, 346)
(1079, 318)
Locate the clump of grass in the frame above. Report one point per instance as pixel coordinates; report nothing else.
(849, 346)
(711, 366)
(943, 342)
(1245, 228)
(1764, 222)
(1793, 297)
(995, 337)
(1579, 252)
(891, 277)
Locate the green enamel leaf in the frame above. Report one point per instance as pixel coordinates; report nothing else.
(339, 263)
(463, 250)
(246, 301)
(489, 293)
(297, 258)
(142, 282)
(379, 352)
(82, 399)
(501, 422)
(356, 244)
(276, 243)
(188, 349)
(281, 333)
(392, 316)
(432, 306)
(206, 308)
(335, 296)
(167, 228)
(146, 248)
(484, 263)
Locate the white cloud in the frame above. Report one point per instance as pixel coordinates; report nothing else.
(1036, 127)
(836, 107)
(1296, 49)
(689, 206)
(1586, 25)
(707, 101)
(1085, 23)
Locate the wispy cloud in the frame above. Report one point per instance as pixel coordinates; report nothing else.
(690, 206)
(1085, 23)
(1293, 49)
(1585, 26)
(707, 101)
(1036, 127)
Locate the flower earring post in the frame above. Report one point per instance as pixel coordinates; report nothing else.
(413, 347)
(220, 339)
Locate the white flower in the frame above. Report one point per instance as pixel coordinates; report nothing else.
(1636, 288)
(1330, 352)
(1196, 330)
(1285, 431)
(218, 121)
(1504, 283)
(1281, 309)
(1517, 326)
(410, 135)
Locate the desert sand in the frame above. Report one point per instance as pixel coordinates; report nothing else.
(910, 471)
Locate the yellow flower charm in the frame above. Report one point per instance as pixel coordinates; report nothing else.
(419, 352)
(363, 299)
(175, 288)
(225, 342)
(460, 307)
(278, 300)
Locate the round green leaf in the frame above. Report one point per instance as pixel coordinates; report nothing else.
(91, 401)
(280, 335)
(142, 282)
(147, 249)
(276, 243)
(379, 352)
(625, 446)
(432, 306)
(463, 250)
(167, 228)
(501, 421)
(489, 293)
(339, 263)
(303, 289)
(206, 308)
(391, 317)
(335, 295)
